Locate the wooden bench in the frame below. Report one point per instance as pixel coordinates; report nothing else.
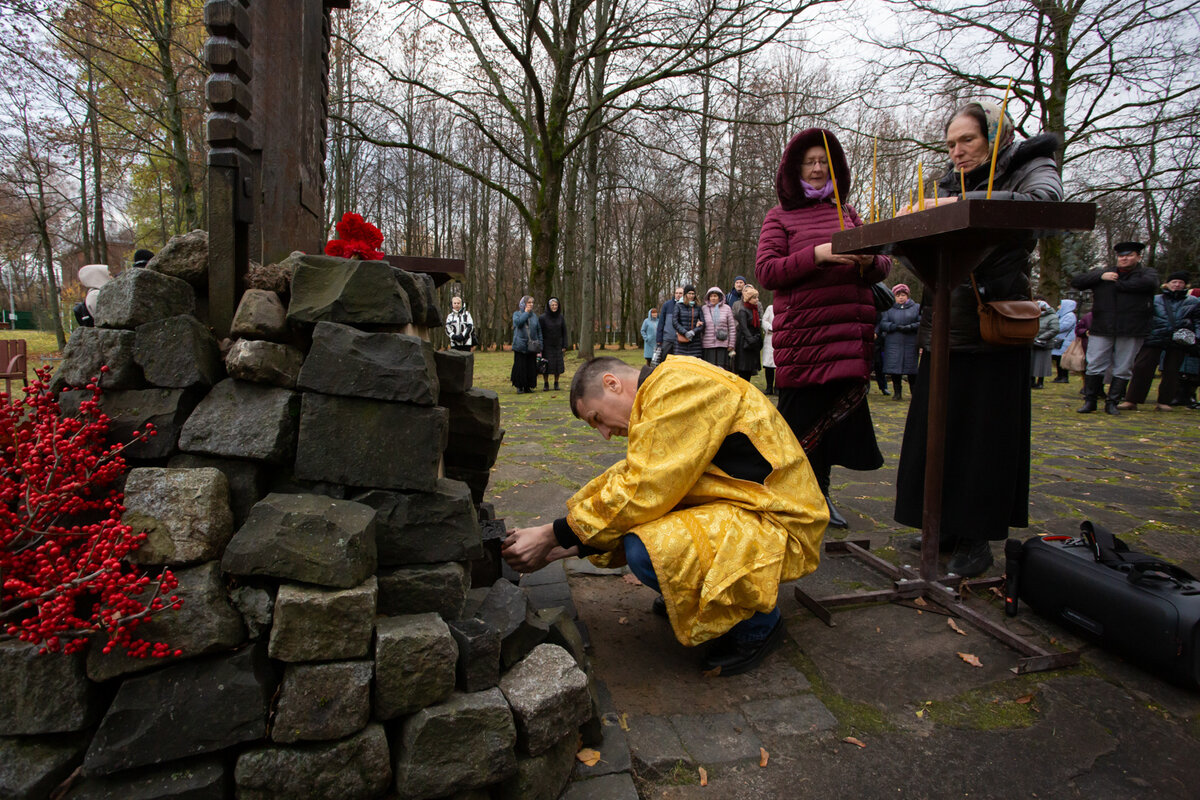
(13, 360)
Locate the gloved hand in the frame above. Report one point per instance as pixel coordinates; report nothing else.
(731, 352)
(690, 335)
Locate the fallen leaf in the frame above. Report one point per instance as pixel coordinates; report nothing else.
(919, 601)
(588, 756)
(623, 621)
(623, 721)
(919, 611)
(763, 755)
(996, 591)
(711, 673)
(853, 741)
(879, 630)
(921, 714)
(631, 579)
(1023, 699)
(970, 659)
(703, 776)
(954, 626)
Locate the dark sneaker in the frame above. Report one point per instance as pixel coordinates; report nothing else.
(732, 657)
(659, 607)
(971, 558)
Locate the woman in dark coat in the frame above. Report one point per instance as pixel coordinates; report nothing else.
(824, 327)
(986, 475)
(526, 344)
(748, 350)
(688, 325)
(898, 331)
(554, 342)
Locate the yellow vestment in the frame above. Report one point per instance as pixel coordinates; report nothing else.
(720, 546)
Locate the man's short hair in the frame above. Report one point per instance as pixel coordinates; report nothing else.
(587, 378)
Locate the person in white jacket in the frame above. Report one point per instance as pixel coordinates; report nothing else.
(768, 352)
(459, 326)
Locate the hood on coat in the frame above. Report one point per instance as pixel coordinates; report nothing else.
(712, 289)
(1066, 307)
(1011, 157)
(787, 178)
(94, 276)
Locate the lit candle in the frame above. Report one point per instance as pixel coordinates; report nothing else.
(836, 198)
(874, 167)
(996, 144)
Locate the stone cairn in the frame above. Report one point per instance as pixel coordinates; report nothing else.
(318, 493)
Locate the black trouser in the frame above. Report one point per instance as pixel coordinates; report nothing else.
(769, 374)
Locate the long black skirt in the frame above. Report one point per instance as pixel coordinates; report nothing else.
(850, 443)
(554, 361)
(524, 370)
(985, 485)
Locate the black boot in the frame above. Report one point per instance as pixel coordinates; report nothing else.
(1063, 376)
(1039, 383)
(1116, 393)
(971, 558)
(1092, 386)
(836, 520)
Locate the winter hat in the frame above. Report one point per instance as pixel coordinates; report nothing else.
(688, 288)
(1179, 275)
(901, 287)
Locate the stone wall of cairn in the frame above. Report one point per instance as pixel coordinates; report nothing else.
(318, 491)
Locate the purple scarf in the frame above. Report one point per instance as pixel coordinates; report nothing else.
(824, 193)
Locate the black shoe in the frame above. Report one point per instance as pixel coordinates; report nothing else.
(732, 657)
(945, 543)
(1061, 380)
(836, 520)
(659, 607)
(971, 558)
(546, 388)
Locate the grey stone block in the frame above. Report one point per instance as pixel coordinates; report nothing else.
(506, 608)
(552, 595)
(475, 479)
(414, 664)
(464, 743)
(540, 777)
(655, 746)
(608, 787)
(323, 701)
(205, 623)
(197, 779)
(31, 768)
(247, 480)
(129, 410)
(798, 715)
(257, 607)
(92, 348)
(564, 633)
(440, 588)
(380, 366)
(352, 441)
(306, 538)
(475, 412)
(356, 768)
(184, 512)
(244, 420)
(178, 353)
(614, 751)
(313, 624)
(425, 527)
(44, 693)
(199, 706)
(549, 697)
(342, 290)
(260, 315)
(455, 371)
(717, 738)
(184, 257)
(138, 296)
(478, 643)
(469, 451)
(264, 362)
(414, 289)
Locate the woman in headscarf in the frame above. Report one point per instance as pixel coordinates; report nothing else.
(649, 331)
(824, 327)
(526, 344)
(985, 488)
(554, 343)
(688, 325)
(747, 358)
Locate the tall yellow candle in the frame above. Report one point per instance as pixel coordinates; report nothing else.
(874, 167)
(920, 187)
(894, 209)
(962, 181)
(996, 144)
(836, 198)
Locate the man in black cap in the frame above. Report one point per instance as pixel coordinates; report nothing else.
(1122, 306)
(141, 258)
(1174, 310)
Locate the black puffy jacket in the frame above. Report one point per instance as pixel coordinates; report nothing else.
(1122, 307)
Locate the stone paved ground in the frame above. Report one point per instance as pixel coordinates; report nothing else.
(881, 705)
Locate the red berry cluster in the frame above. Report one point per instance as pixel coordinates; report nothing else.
(63, 573)
(357, 238)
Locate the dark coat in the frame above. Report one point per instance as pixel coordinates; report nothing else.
(666, 320)
(824, 328)
(554, 332)
(1024, 171)
(898, 331)
(1172, 311)
(525, 327)
(1122, 307)
(685, 319)
(747, 358)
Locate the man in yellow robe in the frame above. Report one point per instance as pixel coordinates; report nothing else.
(714, 504)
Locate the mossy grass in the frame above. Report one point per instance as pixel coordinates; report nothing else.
(854, 718)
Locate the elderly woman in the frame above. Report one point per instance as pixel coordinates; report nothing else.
(898, 332)
(824, 326)
(554, 343)
(459, 325)
(526, 344)
(720, 330)
(985, 487)
(688, 325)
(747, 358)
(649, 331)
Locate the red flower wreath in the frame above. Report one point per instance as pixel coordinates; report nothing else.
(357, 238)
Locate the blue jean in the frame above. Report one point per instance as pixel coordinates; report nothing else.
(754, 629)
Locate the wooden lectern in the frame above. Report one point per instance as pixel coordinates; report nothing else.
(944, 244)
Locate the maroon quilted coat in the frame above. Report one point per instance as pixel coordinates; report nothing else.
(824, 325)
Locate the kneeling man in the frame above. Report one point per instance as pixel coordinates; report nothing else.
(714, 504)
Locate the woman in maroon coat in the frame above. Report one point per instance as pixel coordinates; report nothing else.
(824, 327)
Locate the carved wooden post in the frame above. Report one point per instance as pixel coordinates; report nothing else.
(231, 178)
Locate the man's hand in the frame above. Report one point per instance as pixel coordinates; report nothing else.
(530, 549)
(1109, 276)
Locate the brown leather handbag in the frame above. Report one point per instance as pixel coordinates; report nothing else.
(1007, 322)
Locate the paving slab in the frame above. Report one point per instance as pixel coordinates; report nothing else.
(607, 787)
(779, 718)
(654, 745)
(717, 738)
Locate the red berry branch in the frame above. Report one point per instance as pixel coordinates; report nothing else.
(357, 238)
(63, 573)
